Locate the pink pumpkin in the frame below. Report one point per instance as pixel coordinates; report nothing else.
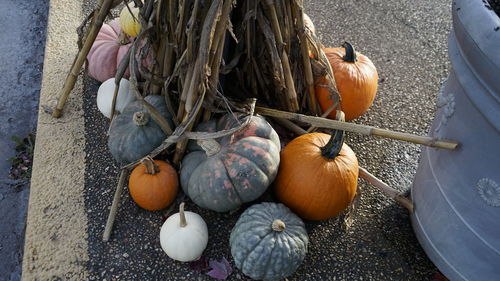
(109, 48)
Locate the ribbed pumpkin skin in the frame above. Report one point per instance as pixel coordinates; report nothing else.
(106, 52)
(128, 142)
(240, 172)
(357, 84)
(154, 192)
(311, 185)
(263, 253)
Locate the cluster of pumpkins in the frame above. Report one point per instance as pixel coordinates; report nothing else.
(269, 240)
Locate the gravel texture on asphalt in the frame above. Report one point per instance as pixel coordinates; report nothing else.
(406, 40)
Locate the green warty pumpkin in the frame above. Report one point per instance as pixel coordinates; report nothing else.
(268, 242)
(231, 170)
(134, 134)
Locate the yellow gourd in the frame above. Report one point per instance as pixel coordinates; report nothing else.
(129, 23)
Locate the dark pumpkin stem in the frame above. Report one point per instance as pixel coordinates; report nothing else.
(350, 53)
(210, 146)
(278, 225)
(151, 167)
(334, 145)
(140, 118)
(183, 221)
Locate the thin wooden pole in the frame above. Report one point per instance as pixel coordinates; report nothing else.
(386, 189)
(114, 205)
(357, 128)
(69, 84)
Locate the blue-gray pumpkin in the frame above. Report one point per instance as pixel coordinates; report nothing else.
(134, 134)
(224, 173)
(268, 242)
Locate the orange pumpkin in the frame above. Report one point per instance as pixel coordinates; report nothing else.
(318, 176)
(356, 78)
(153, 184)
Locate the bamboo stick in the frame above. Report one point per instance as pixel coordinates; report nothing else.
(357, 128)
(81, 56)
(114, 205)
(324, 115)
(386, 189)
(290, 126)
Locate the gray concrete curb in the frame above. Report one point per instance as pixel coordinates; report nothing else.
(55, 243)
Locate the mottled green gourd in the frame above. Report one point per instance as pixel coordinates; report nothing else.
(268, 242)
(231, 170)
(134, 134)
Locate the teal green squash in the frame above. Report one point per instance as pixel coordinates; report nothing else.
(268, 242)
(234, 169)
(134, 134)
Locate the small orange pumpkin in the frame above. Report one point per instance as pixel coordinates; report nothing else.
(153, 184)
(356, 78)
(318, 176)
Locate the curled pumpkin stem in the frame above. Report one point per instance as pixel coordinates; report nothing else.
(151, 167)
(350, 53)
(141, 118)
(334, 145)
(183, 222)
(278, 225)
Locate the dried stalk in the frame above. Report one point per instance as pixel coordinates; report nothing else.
(202, 68)
(298, 15)
(100, 14)
(122, 67)
(216, 55)
(290, 86)
(114, 205)
(360, 129)
(277, 66)
(168, 60)
(182, 104)
(386, 189)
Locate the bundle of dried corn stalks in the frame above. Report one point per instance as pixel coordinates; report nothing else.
(261, 46)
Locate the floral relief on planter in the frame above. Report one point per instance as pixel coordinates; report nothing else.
(489, 191)
(446, 102)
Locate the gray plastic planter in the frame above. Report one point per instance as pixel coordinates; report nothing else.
(457, 193)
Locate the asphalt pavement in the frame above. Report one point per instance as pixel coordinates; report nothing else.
(22, 45)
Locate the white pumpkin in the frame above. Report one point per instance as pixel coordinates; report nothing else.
(184, 236)
(105, 96)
